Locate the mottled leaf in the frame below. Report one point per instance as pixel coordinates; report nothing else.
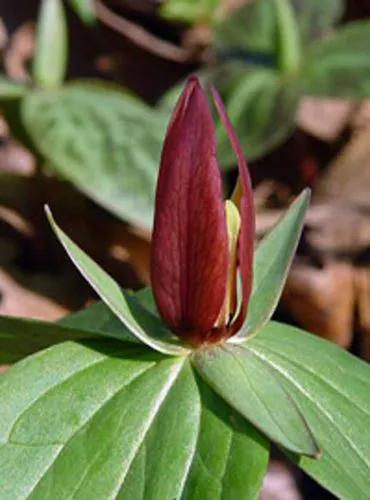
(339, 65)
(103, 140)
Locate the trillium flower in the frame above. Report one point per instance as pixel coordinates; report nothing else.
(201, 244)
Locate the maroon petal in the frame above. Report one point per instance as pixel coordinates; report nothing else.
(189, 246)
(247, 229)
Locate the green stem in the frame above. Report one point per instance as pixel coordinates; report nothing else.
(289, 44)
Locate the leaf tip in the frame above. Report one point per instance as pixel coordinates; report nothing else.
(306, 194)
(47, 211)
(314, 450)
(49, 216)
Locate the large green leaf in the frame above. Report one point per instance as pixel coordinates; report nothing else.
(261, 106)
(189, 11)
(339, 66)
(103, 140)
(77, 429)
(139, 321)
(332, 389)
(49, 64)
(272, 261)
(114, 421)
(231, 457)
(253, 389)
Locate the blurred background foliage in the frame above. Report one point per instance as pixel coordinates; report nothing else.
(86, 91)
(264, 56)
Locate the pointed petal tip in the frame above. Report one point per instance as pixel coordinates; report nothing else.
(193, 80)
(235, 143)
(192, 85)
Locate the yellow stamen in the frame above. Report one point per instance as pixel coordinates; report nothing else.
(233, 228)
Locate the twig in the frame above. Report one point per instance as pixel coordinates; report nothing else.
(139, 36)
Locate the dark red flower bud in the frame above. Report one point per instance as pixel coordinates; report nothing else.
(190, 269)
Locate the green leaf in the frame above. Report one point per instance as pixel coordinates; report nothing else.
(272, 261)
(146, 298)
(189, 11)
(103, 140)
(107, 421)
(85, 9)
(138, 320)
(231, 457)
(332, 389)
(98, 319)
(289, 45)
(10, 89)
(262, 109)
(257, 392)
(20, 337)
(250, 30)
(80, 427)
(50, 61)
(254, 29)
(339, 65)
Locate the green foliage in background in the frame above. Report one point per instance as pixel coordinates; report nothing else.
(98, 136)
(103, 139)
(273, 52)
(50, 61)
(189, 11)
(107, 142)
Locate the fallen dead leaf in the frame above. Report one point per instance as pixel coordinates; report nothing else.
(323, 118)
(322, 300)
(3, 35)
(19, 301)
(362, 284)
(347, 178)
(19, 52)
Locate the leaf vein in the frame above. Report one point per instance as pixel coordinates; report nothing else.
(88, 421)
(310, 398)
